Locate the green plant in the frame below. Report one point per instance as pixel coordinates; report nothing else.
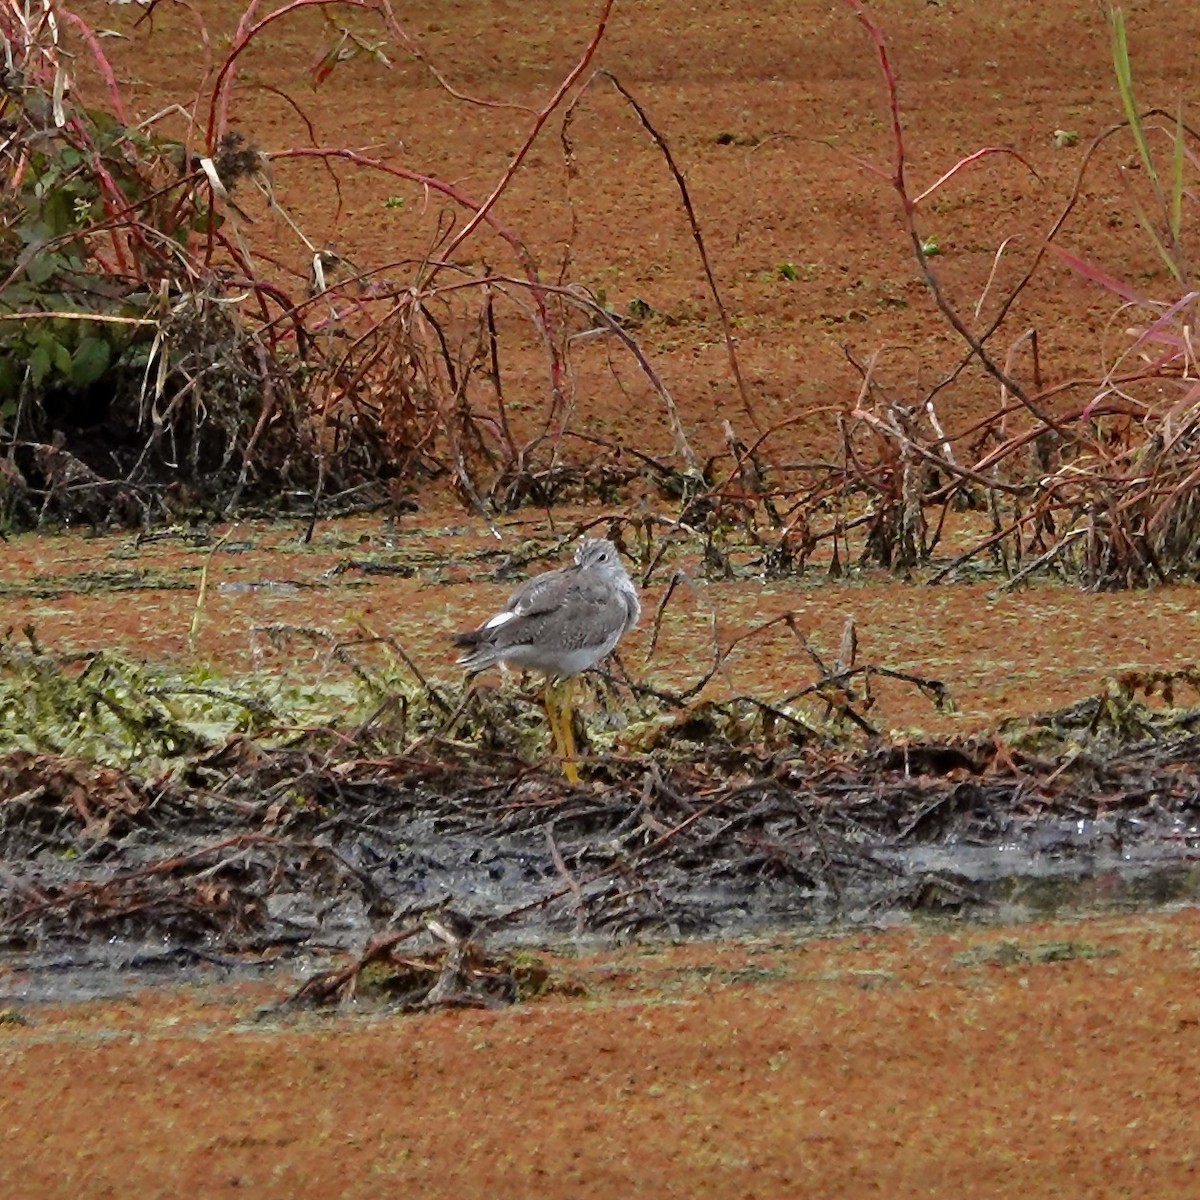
(116, 277)
(60, 326)
(157, 359)
(1164, 227)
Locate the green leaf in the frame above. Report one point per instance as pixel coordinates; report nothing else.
(1163, 252)
(41, 267)
(1176, 217)
(15, 297)
(58, 211)
(1124, 74)
(39, 365)
(9, 382)
(90, 361)
(200, 222)
(60, 356)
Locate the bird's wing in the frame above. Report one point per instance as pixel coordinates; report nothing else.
(574, 614)
(543, 593)
(536, 597)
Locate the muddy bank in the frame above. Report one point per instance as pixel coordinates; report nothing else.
(253, 853)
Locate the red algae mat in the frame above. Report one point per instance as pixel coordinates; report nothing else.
(1051, 1060)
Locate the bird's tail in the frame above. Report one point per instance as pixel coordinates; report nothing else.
(480, 653)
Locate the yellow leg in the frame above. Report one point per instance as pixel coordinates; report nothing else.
(559, 717)
(551, 717)
(567, 719)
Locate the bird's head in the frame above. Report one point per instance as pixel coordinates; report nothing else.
(596, 552)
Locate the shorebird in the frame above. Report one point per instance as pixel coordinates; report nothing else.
(559, 624)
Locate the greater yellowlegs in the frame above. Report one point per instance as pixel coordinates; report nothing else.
(559, 623)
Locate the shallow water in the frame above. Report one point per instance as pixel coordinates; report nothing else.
(1055, 869)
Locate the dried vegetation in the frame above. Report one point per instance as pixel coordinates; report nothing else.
(154, 362)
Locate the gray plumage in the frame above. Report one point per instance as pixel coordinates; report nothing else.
(562, 622)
